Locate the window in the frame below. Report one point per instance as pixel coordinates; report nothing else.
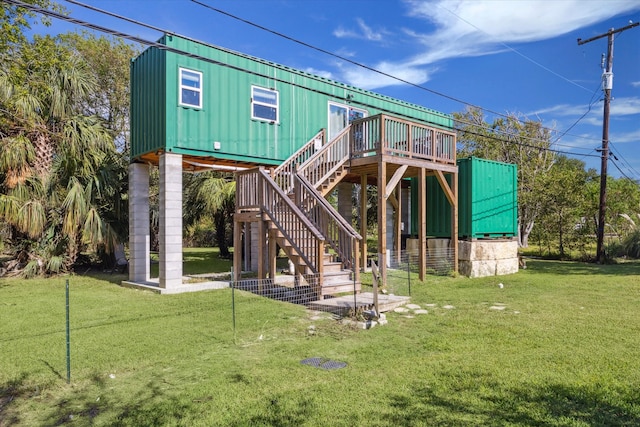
(264, 104)
(190, 88)
(340, 116)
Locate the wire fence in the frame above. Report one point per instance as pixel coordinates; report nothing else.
(340, 296)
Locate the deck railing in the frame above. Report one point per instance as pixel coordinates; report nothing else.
(338, 233)
(325, 162)
(256, 189)
(397, 137)
(283, 174)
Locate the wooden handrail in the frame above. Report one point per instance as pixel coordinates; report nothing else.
(283, 174)
(319, 167)
(337, 231)
(383, 134)
(294, 225)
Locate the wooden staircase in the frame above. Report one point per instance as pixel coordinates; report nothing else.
(290, 199)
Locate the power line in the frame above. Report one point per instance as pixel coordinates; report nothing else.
(516, 51)
(623, 160)
(161, 46)
(209, 60)
(591, 102)
(523, 144)
(356, 63)
(607, 85)
(311, 47)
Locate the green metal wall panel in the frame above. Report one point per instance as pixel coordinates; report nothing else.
(438, 209)
(224, 120)
(489, 207)
(148, 131)
(487, 201)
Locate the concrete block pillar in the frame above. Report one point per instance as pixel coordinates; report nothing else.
(345, 203)
(170, 220)
(139, 232)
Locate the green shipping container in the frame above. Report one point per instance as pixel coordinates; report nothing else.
(196, 99)
(487, 201)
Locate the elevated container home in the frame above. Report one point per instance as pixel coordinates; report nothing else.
(291, 137)
(221, 106)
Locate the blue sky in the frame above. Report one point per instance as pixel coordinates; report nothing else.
(506, 56)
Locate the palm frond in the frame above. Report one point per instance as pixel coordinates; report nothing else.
(74, 206)
(93, 228)
(32, 218)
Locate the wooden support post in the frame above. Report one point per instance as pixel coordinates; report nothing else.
(422, 223)
(320, 256)
(261, 252)
(272, 254)
(382, 221)
(454, 221)
(363, 220)
(398, 222)
(237, 248)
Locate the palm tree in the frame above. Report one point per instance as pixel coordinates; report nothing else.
(59, 173)
(212, 193)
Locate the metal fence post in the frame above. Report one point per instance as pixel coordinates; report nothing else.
(68, 335)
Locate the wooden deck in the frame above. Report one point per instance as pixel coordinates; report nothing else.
(342, 305)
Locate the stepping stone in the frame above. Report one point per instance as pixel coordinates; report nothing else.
(431, 305)
(421, 311)
(408, 316)
(413, 306)
(448, 307)
(497, 307)
(400, 310)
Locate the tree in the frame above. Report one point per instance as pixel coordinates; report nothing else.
(60, 180)
(511, 140)
(108, 59)
(212, 194)
(563, 196)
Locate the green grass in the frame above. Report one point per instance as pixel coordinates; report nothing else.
(198, 261)
(564, 352)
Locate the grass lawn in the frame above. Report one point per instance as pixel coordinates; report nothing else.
(564, 351)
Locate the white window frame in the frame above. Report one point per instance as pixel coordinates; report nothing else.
(198, 89)
(344, 107)
(264, 104)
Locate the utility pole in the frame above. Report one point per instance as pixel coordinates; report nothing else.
(607, 85)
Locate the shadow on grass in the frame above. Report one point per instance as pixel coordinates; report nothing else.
(548, 405)
(9, 394)
(581, 268)
(280, 411)
(149, 406)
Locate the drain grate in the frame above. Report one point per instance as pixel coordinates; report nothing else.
(323, 363)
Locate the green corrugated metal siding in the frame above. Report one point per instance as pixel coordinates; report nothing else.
(438, 209)
(226, 113)
(148, 131)
(487, 201)
(414, 206)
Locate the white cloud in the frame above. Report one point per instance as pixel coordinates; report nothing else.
(567, 113)
(625, 106)
(471, 28)
(621, 138)
(365, 33)
(482, 27)
(367, 79)
(635, 84)
(320, 73)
